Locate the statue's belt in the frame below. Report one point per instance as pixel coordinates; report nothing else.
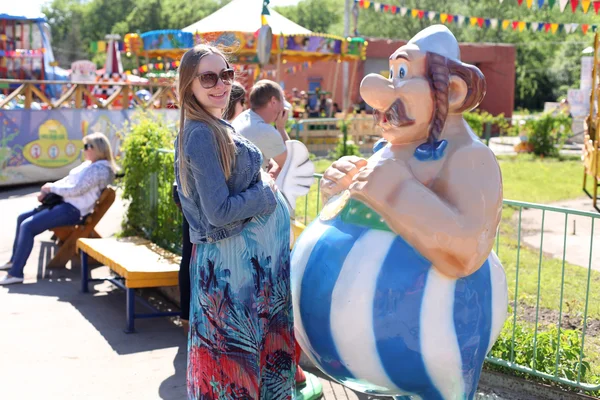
(353, 212)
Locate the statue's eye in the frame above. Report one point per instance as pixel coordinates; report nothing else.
(391, 73)
(402, 71)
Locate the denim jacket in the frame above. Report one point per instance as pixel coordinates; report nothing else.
(217, 208)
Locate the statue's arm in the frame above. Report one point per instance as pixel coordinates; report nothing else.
(454, 223)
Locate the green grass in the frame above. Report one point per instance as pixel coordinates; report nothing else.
(532, 180)
(525, 179)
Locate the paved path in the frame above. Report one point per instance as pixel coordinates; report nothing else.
(578, 232)
(60, 344)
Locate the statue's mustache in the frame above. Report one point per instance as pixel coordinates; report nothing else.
(395, 115)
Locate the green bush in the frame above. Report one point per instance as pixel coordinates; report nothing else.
(349, 149)
(547, 133)
(545, 352)
(148, 181)
(477, 120)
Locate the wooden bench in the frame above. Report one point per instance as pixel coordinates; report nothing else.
(138, 264)
(67, 236)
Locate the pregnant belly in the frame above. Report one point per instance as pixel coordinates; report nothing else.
(375, 315)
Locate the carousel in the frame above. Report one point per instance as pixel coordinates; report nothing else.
(266, 45)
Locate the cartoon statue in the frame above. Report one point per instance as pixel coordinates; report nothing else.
(396, 289)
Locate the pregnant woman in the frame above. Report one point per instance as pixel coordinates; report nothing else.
(241, 341)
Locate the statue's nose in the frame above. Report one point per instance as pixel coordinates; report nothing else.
(377, 91)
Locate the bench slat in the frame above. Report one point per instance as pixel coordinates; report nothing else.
(140, 262)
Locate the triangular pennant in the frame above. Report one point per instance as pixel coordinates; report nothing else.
(461, 19)
(403, 11)
(377, 6)
(574, 4)
(450, 18)
(594, 28)
(431, 15)
(395, 9)
(383, 7)
(547, 26)
(596, 6)
(443, 18)
(501, 1)
(554, 27)
(540, 3)
(563, 4)
(421, 14)
(521, 26)
(488, 22)
(584, 28)
(551, 3)
(529, 3)
(585, 4)
(574, 27)
(414, 13)
(361, 3)
(505, 24)
(535, 26)
(515, 25)
(494, 23)
(561, 27)
(528, 25)
(386, 8)
(520, 2)
(480, 22)
(367, 4)
(473, 21)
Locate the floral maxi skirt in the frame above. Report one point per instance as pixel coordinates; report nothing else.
(241, 343)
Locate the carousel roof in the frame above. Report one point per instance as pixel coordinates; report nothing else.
(244, 16)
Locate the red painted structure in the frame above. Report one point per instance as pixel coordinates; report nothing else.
(496, 61)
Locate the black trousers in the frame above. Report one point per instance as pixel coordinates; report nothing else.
(184, 272)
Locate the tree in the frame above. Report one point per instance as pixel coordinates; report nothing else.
(315, 15)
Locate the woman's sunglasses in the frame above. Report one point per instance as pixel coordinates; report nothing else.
(209, 80)
(87, 146)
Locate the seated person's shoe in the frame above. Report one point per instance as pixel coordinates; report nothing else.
(6, 267)
(9, 280)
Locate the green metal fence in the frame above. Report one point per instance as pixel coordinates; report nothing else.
(551, 295)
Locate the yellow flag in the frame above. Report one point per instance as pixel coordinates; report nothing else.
(414, 13)
(586, 5)
(443, 18)
(101, 46)
(473, 21)
(521, 26)
(529, 2)
(367, 4)
(505, 23)
(554, 27)
(263, 20)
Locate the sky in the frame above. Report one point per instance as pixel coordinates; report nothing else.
(35, 6)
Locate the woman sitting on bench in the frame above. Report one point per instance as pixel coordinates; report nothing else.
(64, 202)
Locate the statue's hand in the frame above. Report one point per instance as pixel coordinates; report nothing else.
(377, 185)
(338, 176)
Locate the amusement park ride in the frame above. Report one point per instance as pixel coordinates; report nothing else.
(592, 142)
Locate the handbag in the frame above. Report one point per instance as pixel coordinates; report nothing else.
(50, 200)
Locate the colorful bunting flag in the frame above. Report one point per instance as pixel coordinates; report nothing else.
(529, 3)
(584, 28)
(520, 2)
(521, 26)
(563, 4)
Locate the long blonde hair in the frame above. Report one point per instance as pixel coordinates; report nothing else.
(190, 108)
(102, 148)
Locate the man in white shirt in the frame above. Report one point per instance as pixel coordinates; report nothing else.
(267, 106)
